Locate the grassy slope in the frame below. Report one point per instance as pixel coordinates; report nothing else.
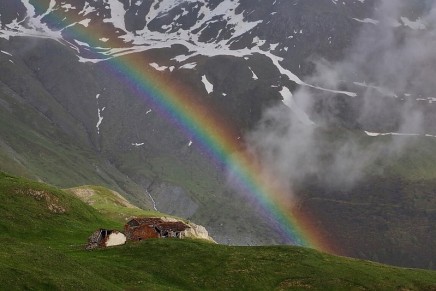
(42, 250)
(110, 203)
(389, 215)
(33, 146)
(36, 243)
(418, 163)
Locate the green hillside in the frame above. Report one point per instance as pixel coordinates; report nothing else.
(43, 231)
(110, 203)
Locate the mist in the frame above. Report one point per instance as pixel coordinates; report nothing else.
(390, 65)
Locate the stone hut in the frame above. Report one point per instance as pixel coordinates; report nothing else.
(143, 228)
(105, 238)
(172, 229)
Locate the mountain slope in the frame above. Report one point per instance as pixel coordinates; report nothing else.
(70, 116)
(133, 151)
(109, 203)
(44, 249)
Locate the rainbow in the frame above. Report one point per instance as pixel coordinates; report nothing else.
(221, 142)
(213, 134)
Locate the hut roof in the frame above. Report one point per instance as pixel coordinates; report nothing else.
(147, 220)
(172, 226)
(158, 223)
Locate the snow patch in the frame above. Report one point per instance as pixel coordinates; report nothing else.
(34, 25)
(382, 90)
(181, 58)
(99, 114)
(254, 76)
(259, 42)
(157, 67)
(274, 46)
(367, 20)
(372, 133)
(85, 22)
(86, 9)
(375, 134)
(189, 66)
(415, 25)
(117, 15)
(100, 119)
(68, 7)
(81, 43)
(6, 53)
(208, 85)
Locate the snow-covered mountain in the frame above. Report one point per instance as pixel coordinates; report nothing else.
(288, 35)
(285, 33)
(277, 29)
(80, 123)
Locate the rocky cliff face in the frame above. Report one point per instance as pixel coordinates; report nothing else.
(194, 231)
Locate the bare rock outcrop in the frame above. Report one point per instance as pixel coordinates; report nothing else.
(194, 231)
